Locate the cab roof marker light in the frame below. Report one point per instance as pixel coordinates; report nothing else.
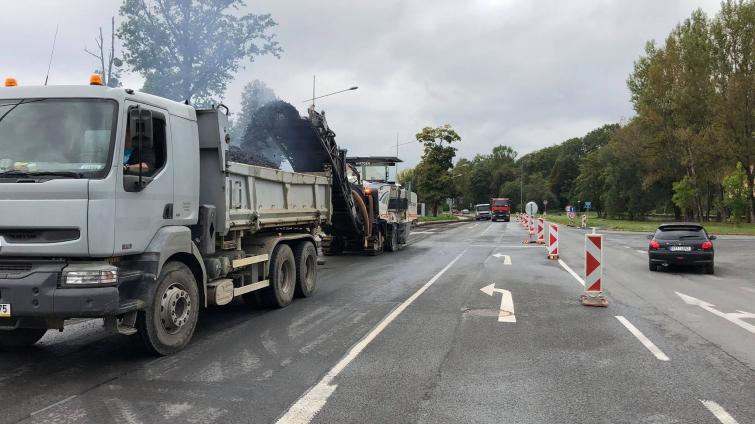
(95, 79)
(11, 82)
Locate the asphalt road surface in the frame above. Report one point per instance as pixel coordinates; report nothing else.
(411, 337)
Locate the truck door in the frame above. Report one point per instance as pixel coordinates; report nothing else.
(144, 203)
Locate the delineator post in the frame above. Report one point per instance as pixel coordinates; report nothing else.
(594, 271)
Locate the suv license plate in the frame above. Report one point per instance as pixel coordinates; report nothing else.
(680, 248)
(4, 310)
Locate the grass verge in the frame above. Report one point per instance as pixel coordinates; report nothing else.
(650, 226)
(441, 217)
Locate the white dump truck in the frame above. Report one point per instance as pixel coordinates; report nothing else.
(121, 205)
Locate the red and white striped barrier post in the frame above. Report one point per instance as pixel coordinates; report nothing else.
(552, 241)
(540, 231)
(594, 271)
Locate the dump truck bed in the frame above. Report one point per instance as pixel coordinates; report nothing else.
(261, 198)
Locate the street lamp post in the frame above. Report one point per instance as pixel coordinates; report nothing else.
(326, 95)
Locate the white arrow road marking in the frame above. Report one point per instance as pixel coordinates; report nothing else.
(644, 340)
(315, 398)
(719, 412)
(735, 318)
(507, 303)
(570, 271)
(506, 258)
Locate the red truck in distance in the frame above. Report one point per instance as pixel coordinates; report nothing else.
(500, 208)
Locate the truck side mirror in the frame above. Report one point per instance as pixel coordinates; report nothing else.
(650, 236)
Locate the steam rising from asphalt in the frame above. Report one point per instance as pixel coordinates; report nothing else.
(278, 137)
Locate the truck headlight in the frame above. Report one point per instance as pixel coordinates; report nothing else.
(90, 274)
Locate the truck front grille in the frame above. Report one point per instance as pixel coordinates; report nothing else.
(15, 267)
(47, 235)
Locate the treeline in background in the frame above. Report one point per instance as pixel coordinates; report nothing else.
(689, 152)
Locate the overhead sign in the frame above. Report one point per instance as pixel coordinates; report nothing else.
(531, 208)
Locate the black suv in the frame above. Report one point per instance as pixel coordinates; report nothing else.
(681, 244)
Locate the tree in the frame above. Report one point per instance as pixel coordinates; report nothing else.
(110, 64)
(434, 181)
(672, 91)
(189, 49)
(254, 95)
(733, 47)
(736, 191)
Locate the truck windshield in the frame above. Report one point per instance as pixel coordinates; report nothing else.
(66, 137)
(482, 208)
(500, 203)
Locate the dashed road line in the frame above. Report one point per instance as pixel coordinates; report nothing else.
(644, 252)
(749, 289)
(315, 398)
(719, 412)
(644, 340)
(60, 402)
(570, 271)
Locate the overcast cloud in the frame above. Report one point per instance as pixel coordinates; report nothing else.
(524, 73)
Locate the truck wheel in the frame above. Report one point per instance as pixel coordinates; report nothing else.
(391, 242)
(166, 326)
(20, 338)
(282, 277)
(331, 246)
(306, 269)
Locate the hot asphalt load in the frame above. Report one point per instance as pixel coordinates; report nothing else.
(442, 357)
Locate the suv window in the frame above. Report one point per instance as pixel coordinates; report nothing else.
(671, 233)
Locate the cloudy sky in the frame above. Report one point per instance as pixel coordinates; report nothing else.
(524, 73)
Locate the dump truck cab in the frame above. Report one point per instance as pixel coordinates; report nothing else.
(77, 230)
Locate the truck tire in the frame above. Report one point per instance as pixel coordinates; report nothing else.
(168, 323)
(331, 246)
(20, 338)
(391, 241)
(305, 255)
(282, 277)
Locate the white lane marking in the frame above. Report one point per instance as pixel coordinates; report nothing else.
(506, 258)
(627, 247)
(733, 317)
(642, 251)
(504, 246)
(570, 271)
(315, 398)
(506, 313)
(719, 412)
(421, 232)
(60, 402)
(487, 229)
(749, 289)
(644, 340)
